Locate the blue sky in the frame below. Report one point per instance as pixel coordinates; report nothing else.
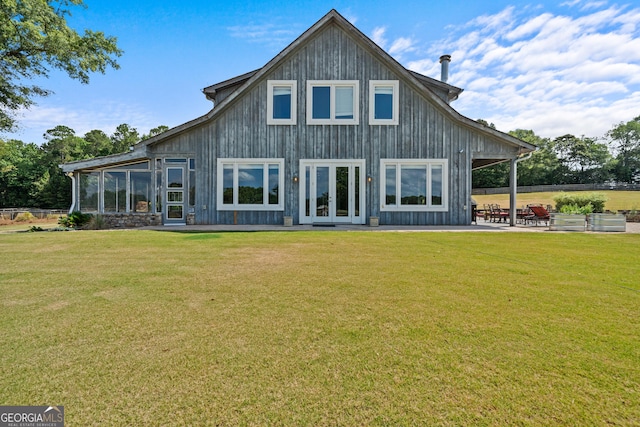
(551, 66)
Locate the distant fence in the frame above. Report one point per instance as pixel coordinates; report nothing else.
(11, 213)
(563, 187)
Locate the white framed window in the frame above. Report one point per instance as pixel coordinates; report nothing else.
(414, 185)
(333, 102)
(384, 103)
(282, 98)
(250, 184)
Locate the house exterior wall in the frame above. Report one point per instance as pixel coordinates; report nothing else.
(241, 131)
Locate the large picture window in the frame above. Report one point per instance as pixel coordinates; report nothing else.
(281, 102)
(250, 184)
(384, 102)
(413, 185)
(332, 102)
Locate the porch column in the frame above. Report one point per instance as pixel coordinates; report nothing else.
(513, 187)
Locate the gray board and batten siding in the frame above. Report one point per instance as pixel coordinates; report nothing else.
(333, 49)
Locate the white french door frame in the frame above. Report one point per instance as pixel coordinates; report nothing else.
(315, 211)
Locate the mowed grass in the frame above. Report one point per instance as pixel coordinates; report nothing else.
(616, 200)
(322, 328)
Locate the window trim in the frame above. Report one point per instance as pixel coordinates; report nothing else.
(293, 84)
(395, 84)
(355, 84)
(398, 163)
(235, 206)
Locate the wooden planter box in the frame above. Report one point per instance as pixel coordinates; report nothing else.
(607, 222)
(567, 222)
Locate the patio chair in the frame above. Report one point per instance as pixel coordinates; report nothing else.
(538, 213)
(498, 214)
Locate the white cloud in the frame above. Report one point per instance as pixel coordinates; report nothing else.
(104, 116)
(268, 34)
(553, 73)
(400, 46)
(378, 36)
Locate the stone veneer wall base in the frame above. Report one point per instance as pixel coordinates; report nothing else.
(131, 220)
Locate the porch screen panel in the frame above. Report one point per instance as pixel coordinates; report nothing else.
(115, 191)
(89, 191)
(141, 191)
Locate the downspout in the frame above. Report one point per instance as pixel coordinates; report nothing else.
(73, 191)
(514, 187)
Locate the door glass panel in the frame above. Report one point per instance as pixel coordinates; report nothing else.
(322, 191)
(342, 191)
(307, 191)
(174, 212)
(174, 196)
(175, 178)
(356, 193)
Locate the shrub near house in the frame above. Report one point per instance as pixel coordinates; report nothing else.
(580, 203)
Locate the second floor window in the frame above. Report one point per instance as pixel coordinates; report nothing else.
(383, 102)
(332, 102)
(281, 102)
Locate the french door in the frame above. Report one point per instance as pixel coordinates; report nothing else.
(332, 191)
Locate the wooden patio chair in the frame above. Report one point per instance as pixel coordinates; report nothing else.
(498, 214)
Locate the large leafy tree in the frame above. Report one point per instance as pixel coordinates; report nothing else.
(583, 159)
(22, 174)
(625, 139)
(124, 138)
(34, 38)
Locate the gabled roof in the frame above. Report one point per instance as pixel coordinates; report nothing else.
(421, 83)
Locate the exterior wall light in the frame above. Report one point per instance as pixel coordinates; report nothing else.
(369, 178)
(295, 177)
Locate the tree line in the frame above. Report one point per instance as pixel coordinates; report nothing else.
(569, 159)
(29, 173)
(30, 176)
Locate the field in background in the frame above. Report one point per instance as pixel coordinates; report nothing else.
(322, 328)
(617, 200)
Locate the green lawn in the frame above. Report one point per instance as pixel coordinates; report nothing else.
(617, 200)
(322, 328)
